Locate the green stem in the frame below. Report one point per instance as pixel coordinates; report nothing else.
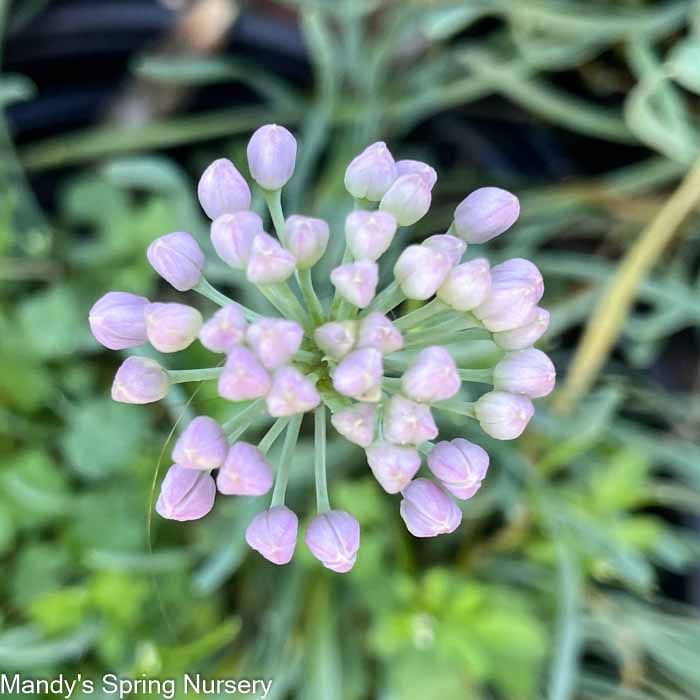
(207, 290)
(322, 503)
(310, 297)
(274, 204)
(180, 376)
(427, 311)
(482, 376)
(390, 297)
(447, 337)
(391, 384)
(464, 408)
(290, 443)
(248, 412)
(272, 434)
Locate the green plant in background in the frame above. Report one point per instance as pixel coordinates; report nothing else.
(552, 588)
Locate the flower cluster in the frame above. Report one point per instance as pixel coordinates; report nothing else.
(381, 377)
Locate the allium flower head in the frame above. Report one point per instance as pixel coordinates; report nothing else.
(385, 367)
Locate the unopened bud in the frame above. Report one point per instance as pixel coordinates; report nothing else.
(172, 327)
(272, 153)
(307, 239)
(371, 173)
(140, 380)
(222, 189)
(408, 199)
(178, 259)
(369, 233)
(232, 237)
(117, 320)
(485, 214)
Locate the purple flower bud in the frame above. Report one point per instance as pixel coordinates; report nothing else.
(232, 237)
(224, 330)
(428, 511)
(460, 465)
(334, 538)
(407, 422)
(528, 372)
(273, 533)
(503, 416)
(274, 340)
(178, 259)
(186, 494)
(467, 285)
(140, 380)
(393, 466)
(269, 262)
(359, 375)
(117, 320)
(357, 282)
(243, 378)
(516, 287)
(246, 472)
(377, 331)
(172, 327)
(272, 153)
(451, 246)
(369, 233)
(291, 392)
(307, 239)
(370, 174)
(202, 445)
(356, 423)
(417, 167)
(420, 271)
(528, 334)
(408, 199)
(222, 189)
(433, 376)
(485, 214)
(336, 338)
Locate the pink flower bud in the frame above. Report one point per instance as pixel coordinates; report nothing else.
(359, 375)
(467, 285)
(307, 239)
(460, 465)
(393, 466)
(117, 320)
(357, 423)
(243, 378)
(186, 494)
(272, 153)
(273, 533)
(408, 199)
(428, 511)
(202, 445)
(417, 167)
(516, 287)
(172, 327)
(275, 341)
(291, 392)
(178, 259)
(420, 271)
(528, 334)
(370, 174)
(407, 422)
(503, 416)
(336, 338)
(222, 189)
(485, 214)
(451, 246)
(369, 233)
(334, 538)
(246, 472)
(269, 262)
(528, 372)
(433, 376)
(232, 237)
(224, 330)
(377, 331)
(140, 380)
(356, 282)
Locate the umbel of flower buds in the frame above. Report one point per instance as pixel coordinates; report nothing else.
(385, 367)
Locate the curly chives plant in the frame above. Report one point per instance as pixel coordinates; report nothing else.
(381, 378)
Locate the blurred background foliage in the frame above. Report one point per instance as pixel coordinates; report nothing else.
(572, 576)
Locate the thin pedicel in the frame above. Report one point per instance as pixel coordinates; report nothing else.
(380, 379)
